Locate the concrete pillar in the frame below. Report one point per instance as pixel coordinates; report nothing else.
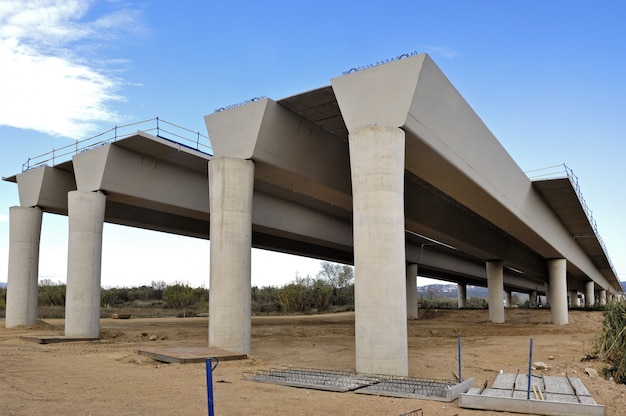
(603, 297)
(411, 291)
(590, 298)
(462, 295)
(573, 298)
(507, 298)
(231, 184)
(84, 258)
(377, 168)
(533, 299)
(557, 273)
(495, 286)
(22, 278)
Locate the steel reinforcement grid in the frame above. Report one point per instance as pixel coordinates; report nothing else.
(345, 381)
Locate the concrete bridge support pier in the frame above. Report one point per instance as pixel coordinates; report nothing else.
(377, 169)
(557, 274)
(507, 299)
(603, 297)
(22, 279)
(230, 195)
(82, 299)
(411, 291)
(462, 295)
(573, 298)
(495, 286)
(532, 299)
(590, 296)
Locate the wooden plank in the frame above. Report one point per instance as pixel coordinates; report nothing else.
(55, 340)
(189, 355)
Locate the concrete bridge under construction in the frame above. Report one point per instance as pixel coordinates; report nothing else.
(387, 168)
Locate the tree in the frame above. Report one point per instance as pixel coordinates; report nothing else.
(321, 293)
(292, 297)
(180, 296)
(50, 293)
(340, 278)
(338, 275)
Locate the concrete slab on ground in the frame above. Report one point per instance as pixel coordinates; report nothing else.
(187, 355)
(55, 340)
(549, 395)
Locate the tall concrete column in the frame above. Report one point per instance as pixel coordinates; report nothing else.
(533, 299)
(573, 298)
(590, 298)
(462, 295)
(411, 291)
(603, 297)
(377, 168)
(495, 286)
(84, 259)
(557, 273)
(22, 278)
(507, 298)
(231, 183)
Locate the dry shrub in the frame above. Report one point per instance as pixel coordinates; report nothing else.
(611, 344)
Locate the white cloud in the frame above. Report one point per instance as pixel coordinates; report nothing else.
(4, 218)
(44, 84)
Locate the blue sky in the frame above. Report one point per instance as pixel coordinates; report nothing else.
(547, 77)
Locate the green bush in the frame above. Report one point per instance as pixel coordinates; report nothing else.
(184, 297)
(51, 294)
(292, 297)
(611, 344)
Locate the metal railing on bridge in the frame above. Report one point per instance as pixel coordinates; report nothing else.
(563, 171)
(159, 127)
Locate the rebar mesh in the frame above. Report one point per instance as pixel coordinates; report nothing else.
(344, 381)
(333, 380)
(416, 412)
(410, 387)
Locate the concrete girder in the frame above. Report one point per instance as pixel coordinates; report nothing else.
(429, 214)
(460, 269)
(118, 171)
(288, 150)
(45, 187)
(462, 158)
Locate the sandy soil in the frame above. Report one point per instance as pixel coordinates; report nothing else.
(108, 377)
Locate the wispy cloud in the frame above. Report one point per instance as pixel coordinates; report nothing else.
(4, 217)
(47, 82)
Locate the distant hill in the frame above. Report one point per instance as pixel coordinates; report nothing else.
(3, 285)
(450, 291)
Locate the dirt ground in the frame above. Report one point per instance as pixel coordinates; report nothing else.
(108, 377)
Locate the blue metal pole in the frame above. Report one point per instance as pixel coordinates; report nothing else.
(459, 352)
(209, 385)
(530, 368)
